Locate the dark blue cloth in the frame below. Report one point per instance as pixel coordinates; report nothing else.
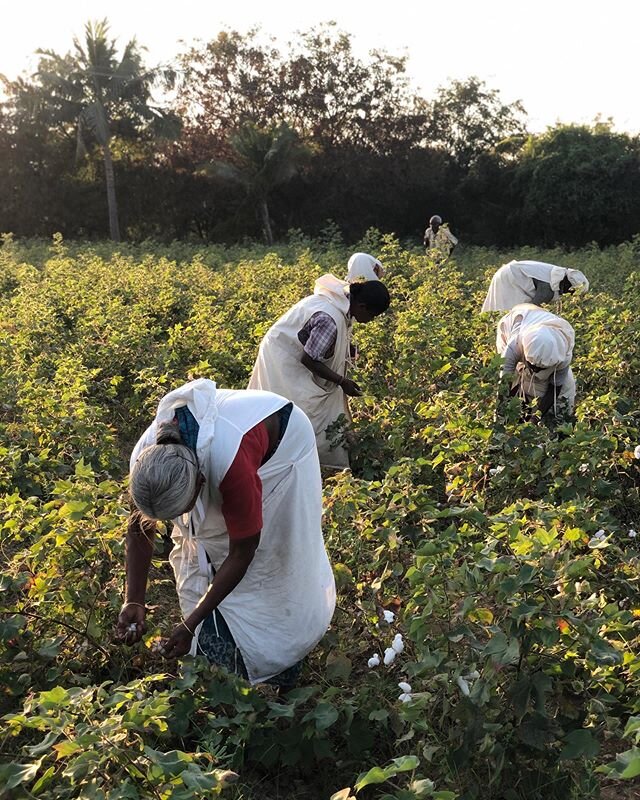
(188, 427)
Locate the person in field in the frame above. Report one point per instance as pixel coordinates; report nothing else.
(537, 348)
(438, 239)
(363, 267)
(237, 471)
(531, 282)
(304, 356)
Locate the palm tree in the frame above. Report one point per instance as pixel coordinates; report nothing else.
(103, 95)
(263, 159)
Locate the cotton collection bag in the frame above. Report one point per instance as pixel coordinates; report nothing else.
(279, 369)
(283, 605)
(513, 283)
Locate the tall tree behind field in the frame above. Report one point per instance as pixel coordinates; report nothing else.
(467, 119)
(95, 97)
(576, 184)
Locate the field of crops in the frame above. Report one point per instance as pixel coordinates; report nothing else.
(505, 551)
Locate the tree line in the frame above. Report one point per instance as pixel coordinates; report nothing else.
(252, 139)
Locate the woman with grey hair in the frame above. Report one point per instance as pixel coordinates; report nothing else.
(238, 473)
(438, 240)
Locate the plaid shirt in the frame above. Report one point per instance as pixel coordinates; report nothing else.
(318, 336)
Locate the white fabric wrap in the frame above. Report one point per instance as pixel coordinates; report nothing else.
(513, 283)
(279, 369)
(545, 339)
(361, 267)
(282, 607)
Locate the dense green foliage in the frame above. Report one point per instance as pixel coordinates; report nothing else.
(380, 153)
(482, 534)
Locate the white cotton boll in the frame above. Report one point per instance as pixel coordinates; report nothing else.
(405, 697)
(636, 452)
(397, 644)
(133, 627)
(464, 686)
(472, 676)
(406, 688)
(389, 616)
(584, 468)
(389, 656)
(374, 661)
(632, 534)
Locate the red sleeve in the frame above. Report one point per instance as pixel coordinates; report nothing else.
(241, 488)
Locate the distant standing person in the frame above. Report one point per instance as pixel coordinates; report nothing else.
(533, 282)
(439, 238)
(537, 348)
(305, 354)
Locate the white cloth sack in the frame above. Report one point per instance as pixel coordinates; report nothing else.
(282, 607)
(513, 283)
(278, 367)
(362, 266)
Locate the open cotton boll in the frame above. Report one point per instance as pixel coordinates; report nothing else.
(389, 656)
(464, 686)
(374, 661)
(389, 616)
(406, 688)
(472, 676)
(405, 697)
(636, 452)
(397, 644)
(632, 534)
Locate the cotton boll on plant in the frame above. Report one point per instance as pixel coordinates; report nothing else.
(636, 452)
(464, 686)
(405, 697)
(405, 687)
(389, 616)
(398, 644)
(389, 656)
(632, 533)
(374, 661)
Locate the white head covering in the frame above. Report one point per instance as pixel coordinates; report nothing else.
(363, 267)
(545, 346)
(436, 218)
(578, 280)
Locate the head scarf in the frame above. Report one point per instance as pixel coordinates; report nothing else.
(578, 280)
(545, 346)
(436, 218)
(362, 266)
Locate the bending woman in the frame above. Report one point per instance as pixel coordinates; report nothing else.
(304, 355)
(537, 347)
(531, 282)
(238, 473)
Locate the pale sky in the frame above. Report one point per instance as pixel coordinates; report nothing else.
(566, 60)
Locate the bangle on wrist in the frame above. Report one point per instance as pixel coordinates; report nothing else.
(187, 628)
(132, 603)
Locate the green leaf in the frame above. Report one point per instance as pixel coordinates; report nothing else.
(68, 748)
(375, 775)
(579, 743)
(325, 715)
(45, 744)
(74, 509)
(404, 764)
(12, 775)
(54, 698)
(338, 666)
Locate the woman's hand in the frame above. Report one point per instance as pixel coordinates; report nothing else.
(178, 644)
(131, 623)
(350, 387)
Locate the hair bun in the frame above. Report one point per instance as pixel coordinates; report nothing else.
(168, 433)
